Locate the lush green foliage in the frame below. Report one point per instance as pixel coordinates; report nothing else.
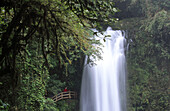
(42, 43)
(149, 54)
(39, 42)
(4, 106)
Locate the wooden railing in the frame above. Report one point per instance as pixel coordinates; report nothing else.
(65, 95)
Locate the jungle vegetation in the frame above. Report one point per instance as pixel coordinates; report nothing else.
(43, 43)
(148, 60)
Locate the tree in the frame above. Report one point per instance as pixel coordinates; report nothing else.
(35, 31)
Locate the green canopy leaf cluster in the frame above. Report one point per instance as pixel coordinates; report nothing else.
(41, 38)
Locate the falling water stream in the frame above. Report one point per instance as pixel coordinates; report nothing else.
(103, 85)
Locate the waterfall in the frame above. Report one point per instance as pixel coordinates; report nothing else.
(103, 85)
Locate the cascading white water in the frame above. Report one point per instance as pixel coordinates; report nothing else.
(103, 85)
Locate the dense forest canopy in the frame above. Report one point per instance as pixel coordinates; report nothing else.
(148, 25)
(38, 40)
(43, 43)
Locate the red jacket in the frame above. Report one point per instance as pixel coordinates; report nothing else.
(65, 90)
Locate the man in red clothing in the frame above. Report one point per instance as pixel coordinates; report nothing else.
(65, 90)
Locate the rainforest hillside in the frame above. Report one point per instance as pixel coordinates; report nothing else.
(147, 23)
(43, 44)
